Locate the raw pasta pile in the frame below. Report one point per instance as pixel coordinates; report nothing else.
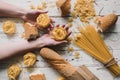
(84, 9)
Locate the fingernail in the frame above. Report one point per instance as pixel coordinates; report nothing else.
(58, 25)
(63, 26)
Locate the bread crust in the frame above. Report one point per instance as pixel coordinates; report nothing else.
(65, 68)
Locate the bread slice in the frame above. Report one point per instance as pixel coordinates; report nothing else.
(31, 32)
(37, 76)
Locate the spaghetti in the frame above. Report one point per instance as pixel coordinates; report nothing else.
(90, 41)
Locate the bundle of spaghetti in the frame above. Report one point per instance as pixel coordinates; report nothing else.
(90, 41)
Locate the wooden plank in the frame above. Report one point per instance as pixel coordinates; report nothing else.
(111, 39)
(53, 11)
(42, 63)
(58, 20)
(84, 59)
(102, 74)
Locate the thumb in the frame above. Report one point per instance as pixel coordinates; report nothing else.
(64, 41)
(41, 11)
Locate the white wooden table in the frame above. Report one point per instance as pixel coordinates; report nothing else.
(111, 38)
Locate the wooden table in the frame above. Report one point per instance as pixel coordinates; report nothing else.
(111, 38)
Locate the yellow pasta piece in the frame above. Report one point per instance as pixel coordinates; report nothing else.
(69, 49)
(84, 9)
(43, 20)
(59, 33)
(14, 71)
(29, 59)
(76, 55)
(9, 27)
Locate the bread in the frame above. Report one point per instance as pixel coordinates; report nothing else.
(64, 68)
(58, 33)
(61, 78)
(43, 20)
(106, 21)
(31, 32)
(64, 6)
(37, 77)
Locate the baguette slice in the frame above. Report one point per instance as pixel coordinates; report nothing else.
(37, 76)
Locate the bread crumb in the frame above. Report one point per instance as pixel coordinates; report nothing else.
(41, 7)
(70, 24)
(69, 39)
(74, 14)
(76, 55)
(32, 6)
(69, 49)
(61, 78)
(84, 9)
(70, 19)
(44, 4)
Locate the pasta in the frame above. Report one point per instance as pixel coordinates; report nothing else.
(9, 27)
(84, 9)
(90, 41)
(29, 59)
(13, 72)
(59, 33)
(43, 20)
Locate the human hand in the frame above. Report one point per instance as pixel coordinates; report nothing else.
(30, 16)
(64, 28)
(47, 40)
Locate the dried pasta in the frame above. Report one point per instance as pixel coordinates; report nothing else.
(59, 33)
(9, 27)
(90, 41)
(29, 59)
(14, 71)
(43, 20)
(84, 9)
